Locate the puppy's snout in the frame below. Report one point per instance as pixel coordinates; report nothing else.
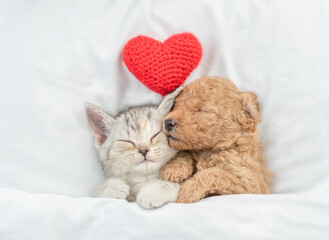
(169, 124)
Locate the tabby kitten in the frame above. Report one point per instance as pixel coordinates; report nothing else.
(132, 150)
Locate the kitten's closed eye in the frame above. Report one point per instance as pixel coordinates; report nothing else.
(155, 135)
(127, 141)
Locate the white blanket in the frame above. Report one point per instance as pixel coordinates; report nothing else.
(56, 56)
(46, 216)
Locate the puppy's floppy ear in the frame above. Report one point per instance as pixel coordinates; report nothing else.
(100, 123)
(168, 101)
(249, 116)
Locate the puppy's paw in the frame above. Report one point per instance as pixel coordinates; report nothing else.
(174, 173)
(154, 195)
(189, 193)
(179, 168)
(113, 188)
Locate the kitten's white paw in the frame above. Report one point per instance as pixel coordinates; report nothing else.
(113, 188)
(148, 200)
(157, 194)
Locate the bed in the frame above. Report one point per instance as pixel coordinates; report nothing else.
(56, 56)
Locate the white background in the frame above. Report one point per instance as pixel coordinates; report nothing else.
(57, 55)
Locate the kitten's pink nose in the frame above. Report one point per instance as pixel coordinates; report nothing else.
(143, 151)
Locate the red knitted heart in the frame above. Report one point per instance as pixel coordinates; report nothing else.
(162, 67)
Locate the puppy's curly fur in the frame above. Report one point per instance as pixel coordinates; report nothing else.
(217, 124)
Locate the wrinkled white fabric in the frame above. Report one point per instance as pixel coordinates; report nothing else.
(56, 56)
(47, 216)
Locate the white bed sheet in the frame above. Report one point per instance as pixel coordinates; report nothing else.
(48, 216)
(55, 56)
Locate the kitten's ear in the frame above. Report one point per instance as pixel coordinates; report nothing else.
(168, 101)
(100, 122)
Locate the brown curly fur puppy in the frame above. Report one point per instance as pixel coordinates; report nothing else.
(217, 124)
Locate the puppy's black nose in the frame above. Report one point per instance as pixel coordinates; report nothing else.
(169, 124)
(143, 151)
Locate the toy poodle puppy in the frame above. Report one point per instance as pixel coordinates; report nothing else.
(216, 124)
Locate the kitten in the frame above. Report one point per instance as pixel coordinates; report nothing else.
(132, 150)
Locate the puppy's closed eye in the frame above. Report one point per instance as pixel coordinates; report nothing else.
(205, 109)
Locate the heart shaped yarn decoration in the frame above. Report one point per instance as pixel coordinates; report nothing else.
(162, 67)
